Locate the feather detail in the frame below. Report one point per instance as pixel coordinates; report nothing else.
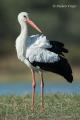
(62, 67)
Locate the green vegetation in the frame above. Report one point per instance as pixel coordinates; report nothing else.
(57, 107)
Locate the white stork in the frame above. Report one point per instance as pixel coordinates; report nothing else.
(40, 54)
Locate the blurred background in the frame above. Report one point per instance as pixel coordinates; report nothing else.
(61, 24)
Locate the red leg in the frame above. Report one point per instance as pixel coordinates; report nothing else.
(42, 92)
(33, 89)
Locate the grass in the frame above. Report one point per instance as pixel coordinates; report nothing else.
(57, 107)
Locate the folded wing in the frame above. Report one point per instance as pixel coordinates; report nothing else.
(47, 55)
(41, 55)
(42, 42)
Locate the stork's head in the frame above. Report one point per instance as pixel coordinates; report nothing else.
(23, 18)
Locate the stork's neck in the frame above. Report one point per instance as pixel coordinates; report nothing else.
(21, 41)
(24, 30)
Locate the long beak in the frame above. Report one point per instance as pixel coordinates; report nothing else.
(33, 25)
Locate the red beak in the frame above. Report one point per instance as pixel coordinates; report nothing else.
(33, 25)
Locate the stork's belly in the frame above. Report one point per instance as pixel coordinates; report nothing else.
(28, 63)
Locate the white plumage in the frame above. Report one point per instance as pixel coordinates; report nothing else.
(38, 40)
(33, 49)
(39, 54)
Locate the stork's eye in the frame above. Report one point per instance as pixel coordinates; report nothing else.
(24, 16)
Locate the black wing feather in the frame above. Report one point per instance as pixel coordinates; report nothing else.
(57, 47)
(61, 67)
